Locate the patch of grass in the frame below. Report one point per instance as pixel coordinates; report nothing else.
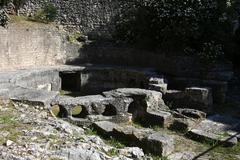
(154, 157)
(29, 22)
(137, 125)
(12, 126)
(90, 131)
(112, 152)
(6, 120)
(76, 110)
(18, 19)
(228, 150)
(115, 143)
(55, 110)
(76, 37)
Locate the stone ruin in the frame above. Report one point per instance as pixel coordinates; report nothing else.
(111, 99)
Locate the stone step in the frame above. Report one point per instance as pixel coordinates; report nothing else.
(150, 141)
(185, 119)
(182, 125)
(159, 118)
(217, 128)
(194, 98)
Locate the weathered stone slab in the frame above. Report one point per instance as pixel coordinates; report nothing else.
(132, 134)
(153, 99)
(105, 127)
(39, 79)
(217, 128)
(39, 97)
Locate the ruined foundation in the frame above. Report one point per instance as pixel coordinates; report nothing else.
(110, 99)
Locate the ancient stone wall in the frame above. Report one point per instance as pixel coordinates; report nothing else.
(31, 47)
(88, 16)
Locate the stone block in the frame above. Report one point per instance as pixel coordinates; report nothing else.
(160, 144)
(105, 127)
(162, 118)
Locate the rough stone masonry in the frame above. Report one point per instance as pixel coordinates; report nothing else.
(94, 17)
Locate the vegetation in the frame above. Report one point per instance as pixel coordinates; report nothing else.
(112, 152)
(115, 143)
(90, 131)
(201, 28)
(9, 124)
(76, 110)
(76, 37)
(55, 109)
(47, 14)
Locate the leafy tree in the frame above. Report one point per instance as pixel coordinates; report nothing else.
(174, 26)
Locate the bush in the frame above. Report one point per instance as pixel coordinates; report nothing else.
(174, 25)
(4, 18)
(47, 14)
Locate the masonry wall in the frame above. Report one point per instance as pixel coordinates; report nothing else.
(92, 17)
(31, 47)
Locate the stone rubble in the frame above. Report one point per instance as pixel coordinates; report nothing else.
(51, 138)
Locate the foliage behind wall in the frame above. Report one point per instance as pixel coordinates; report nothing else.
(201, 28)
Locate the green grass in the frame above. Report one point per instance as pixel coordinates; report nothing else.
(228, 150)
(76, 110)
(115, 143)
(29, 22)
(73, 37)
(18, 19)
(55, 110)
(90, 132)
(112, 152)
(137, 125)
(10, 124)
